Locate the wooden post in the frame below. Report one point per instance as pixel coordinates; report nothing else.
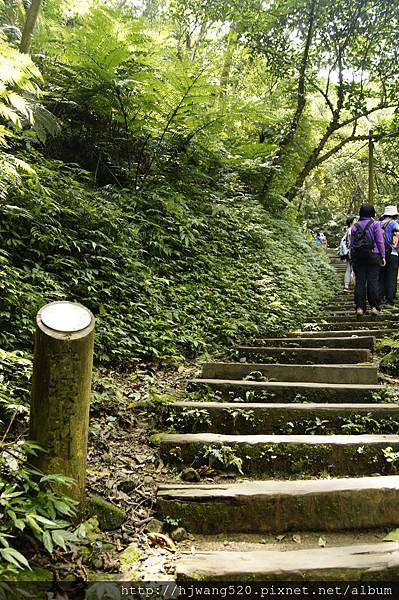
(61, 386)
(371, 167)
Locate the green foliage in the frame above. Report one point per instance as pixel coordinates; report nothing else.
(391, 457)
(223, 457)
(15, 374)
(169, 274)
(29, 506)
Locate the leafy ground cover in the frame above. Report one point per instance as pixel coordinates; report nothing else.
(169, 274)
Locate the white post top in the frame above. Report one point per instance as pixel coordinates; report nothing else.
(65, 317)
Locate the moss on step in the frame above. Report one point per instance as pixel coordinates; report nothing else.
(109, 516)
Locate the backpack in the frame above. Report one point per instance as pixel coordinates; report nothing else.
(389, 246)
(363, 243)
(343, 250)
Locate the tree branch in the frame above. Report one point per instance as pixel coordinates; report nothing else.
(301, 102)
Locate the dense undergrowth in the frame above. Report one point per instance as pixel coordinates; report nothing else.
(169, 274)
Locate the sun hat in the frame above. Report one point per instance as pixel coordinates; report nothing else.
(390, 211)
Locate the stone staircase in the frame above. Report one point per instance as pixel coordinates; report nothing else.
(305, 421)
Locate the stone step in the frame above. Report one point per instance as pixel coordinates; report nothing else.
(280, 418)
(372, 562)
(306, 355)
(270, 506)
(313, 373)
(280, 456)
(271, 391)
(354, 341)
(343, 310)
(356, 324)
(375, 332)
(368, 318)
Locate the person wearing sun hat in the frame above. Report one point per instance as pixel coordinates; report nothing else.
(389, 273)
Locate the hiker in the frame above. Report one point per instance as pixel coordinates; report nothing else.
(389, 274)
(321, 239)
(367, 252)
(343, 252)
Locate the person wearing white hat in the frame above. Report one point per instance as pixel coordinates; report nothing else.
(389, 273)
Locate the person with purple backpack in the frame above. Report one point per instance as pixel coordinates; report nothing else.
(367, 252)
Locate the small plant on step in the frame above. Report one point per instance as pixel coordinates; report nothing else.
(256, 376)
(391, 457)
(237, 414)
(316, 426)
(389, 394)
(222, 456)
(158, 408)
(189, 419)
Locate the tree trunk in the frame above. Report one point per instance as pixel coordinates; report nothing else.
(232, 38)
(61, 395)
(301, 102)
(32, 15)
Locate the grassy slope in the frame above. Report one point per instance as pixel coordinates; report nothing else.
(169, 274)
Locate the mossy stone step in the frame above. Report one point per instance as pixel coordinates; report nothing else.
(368, 562)
(338, 310)
(267, 456)
(355, 341)
(297, 505)
(281, 418)
(367, 317)
(376, 332)
(290, 355)
(310, 373)
(286, 391)
(359, 324)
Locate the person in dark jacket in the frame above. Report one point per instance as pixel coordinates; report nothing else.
(367, 269)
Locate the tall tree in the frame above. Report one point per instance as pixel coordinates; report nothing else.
(300, 104)
(346, 71)
(32, 15)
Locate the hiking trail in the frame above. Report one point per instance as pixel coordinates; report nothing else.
(306, 421)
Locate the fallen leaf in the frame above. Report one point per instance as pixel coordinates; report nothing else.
(322, 542)
(159, 540)
(297, 538)
(280, 538)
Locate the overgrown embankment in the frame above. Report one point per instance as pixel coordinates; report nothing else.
(170, 273)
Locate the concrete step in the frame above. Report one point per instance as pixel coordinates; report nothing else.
(376, 332)
(305, 355)
(371, 562)
(279, 418)
(355, 325)
(269, 506)
(271, 391)
(338, 310)
(355, 341)
(367, 317)
(312, 373)
(280, 456)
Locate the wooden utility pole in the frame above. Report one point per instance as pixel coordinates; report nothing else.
(371, 167)
(61, 388)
